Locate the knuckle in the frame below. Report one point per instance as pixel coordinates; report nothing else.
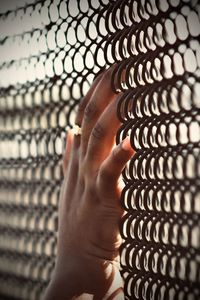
(105, 175)
(116, 156)
(90, 110)
(98, 132)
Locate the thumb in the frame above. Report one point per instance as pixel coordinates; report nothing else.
(113, 165)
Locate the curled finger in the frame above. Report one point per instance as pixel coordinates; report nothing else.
(113, 165)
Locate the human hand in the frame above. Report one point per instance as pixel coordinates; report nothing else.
(89, 208)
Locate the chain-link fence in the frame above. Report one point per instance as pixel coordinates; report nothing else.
(50, 52)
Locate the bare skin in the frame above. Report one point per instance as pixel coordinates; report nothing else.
(89, 209)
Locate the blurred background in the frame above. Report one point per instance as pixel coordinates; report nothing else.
(50, 52)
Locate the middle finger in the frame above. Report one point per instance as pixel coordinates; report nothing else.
(100, 99)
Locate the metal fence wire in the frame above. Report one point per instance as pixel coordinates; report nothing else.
(50, 51)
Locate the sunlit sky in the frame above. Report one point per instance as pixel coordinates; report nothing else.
(13, 4)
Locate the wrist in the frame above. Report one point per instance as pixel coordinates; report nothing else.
(64, 285)
(87, 275)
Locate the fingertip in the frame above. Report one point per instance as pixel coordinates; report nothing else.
(126, 145)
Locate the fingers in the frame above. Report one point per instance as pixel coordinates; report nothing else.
(66, 157)
(75, 140)
(102, 137)
(101, 97)
(85, 100)
(113, 165)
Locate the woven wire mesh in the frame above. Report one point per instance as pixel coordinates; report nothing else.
(50, 52)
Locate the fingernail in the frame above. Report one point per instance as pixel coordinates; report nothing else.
(126, 144)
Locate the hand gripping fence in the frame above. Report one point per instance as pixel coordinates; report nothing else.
(50, 52)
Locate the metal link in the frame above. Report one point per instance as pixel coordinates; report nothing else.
(50, 52)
